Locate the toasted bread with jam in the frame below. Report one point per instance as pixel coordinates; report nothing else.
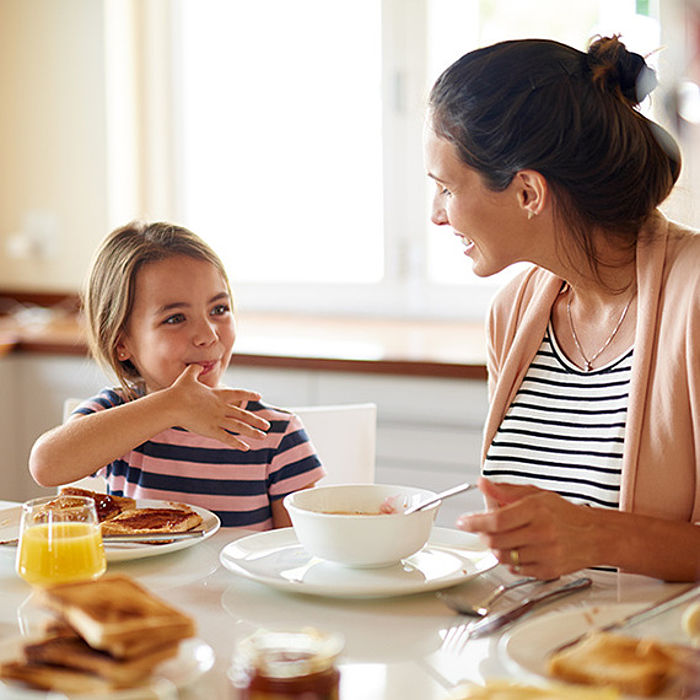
(106, 505)
(147, 521)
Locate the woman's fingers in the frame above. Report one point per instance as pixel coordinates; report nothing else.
(502, 494)
(501, 520)
(540, 535)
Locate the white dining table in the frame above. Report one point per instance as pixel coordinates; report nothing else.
(395, 647)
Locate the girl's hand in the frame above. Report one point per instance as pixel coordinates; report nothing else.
(212, 412)
(534, 532)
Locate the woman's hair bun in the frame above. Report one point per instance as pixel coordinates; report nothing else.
(614, 67)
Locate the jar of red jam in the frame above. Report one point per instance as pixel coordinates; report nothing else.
(287, 665)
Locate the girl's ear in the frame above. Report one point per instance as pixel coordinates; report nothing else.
(123, 353)
(532, 191)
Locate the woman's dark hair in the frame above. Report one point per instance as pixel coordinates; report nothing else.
(541, 105)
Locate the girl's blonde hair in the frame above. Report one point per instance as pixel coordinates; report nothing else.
(108, 297)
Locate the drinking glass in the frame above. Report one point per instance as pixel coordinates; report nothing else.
(59, 541)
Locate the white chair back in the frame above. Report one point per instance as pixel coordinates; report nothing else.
(345, 440)
(343, 435)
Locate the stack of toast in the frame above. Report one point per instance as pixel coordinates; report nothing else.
(119, 515)
(108, 634)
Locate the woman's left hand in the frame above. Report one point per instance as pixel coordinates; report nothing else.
(534, 532)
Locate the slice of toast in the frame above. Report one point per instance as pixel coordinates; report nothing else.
(117, 615)
(635, 666)
(106, 505)
(147, 521)
(62, 680)
(128, 646)
(76, 654)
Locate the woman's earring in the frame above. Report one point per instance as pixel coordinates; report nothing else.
(530, 214)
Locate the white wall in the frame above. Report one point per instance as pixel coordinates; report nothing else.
(52, 136)
(62, 147)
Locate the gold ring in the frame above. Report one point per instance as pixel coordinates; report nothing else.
(515, 558)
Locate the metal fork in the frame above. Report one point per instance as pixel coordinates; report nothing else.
(483, 607)
(456, 637)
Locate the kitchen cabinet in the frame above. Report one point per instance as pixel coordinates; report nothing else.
(428, 429)
(37, 388)
(9, 394)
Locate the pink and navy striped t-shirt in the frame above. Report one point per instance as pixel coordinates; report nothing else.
(178, 465)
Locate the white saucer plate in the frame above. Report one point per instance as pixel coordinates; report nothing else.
(195, 657)
(9, 529)
(277, 559)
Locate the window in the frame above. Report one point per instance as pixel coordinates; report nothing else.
(294, 133)
(281, 135)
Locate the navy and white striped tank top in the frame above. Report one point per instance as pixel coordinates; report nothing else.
(565, 429)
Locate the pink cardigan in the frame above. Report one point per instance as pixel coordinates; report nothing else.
(661, 457)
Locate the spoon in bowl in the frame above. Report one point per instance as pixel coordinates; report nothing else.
(460, 488)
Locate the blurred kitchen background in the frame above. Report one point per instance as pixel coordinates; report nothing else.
(287, 133)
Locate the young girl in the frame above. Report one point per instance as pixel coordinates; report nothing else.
(159, 315)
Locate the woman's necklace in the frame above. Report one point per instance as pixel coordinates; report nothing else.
(589, 362)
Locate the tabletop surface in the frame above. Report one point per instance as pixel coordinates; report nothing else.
(395, 647)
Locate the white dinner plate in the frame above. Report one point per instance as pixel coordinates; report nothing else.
(195, 657)
(9, 529)
(556, 628)
(276, 558)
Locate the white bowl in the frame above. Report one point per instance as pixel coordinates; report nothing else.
(342, 523)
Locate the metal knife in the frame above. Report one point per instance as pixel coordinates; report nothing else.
(155, 537)
(495, 622)
(679, 598)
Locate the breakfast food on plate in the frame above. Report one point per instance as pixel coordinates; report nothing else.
(110, 633)
(62, 680)
(507, 690)
(106, 505)
(74, 652)
(119, 515)
(147, 521)
(115, 611)
(641, 667)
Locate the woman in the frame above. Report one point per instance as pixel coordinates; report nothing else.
(592, 442)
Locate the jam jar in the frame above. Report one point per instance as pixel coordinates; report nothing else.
(282, 665)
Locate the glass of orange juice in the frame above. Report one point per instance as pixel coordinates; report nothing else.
(59, 541)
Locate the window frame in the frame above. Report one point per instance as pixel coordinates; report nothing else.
(405, 290)
(149, 146)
